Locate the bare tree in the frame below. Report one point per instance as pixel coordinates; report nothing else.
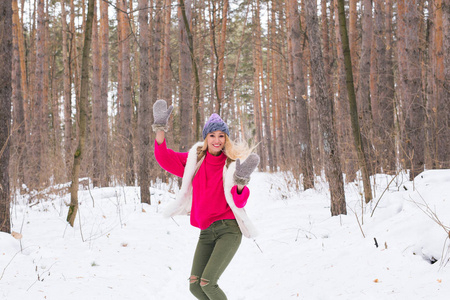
(414, 108)
(144, 104)
(325, 107)
(18, 97)
(104, 130)
(67, 88)
(257, 72)
(443, 153)
(38, 104)
(96, 101)
(362, 160)
(6, 51)
(127, 132)
(363, 98)
(302, 124)
(184, 21)
(84, 91)
(383, 97)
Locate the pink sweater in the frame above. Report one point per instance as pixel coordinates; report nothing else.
(208, 197)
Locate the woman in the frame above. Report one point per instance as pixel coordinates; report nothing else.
(213, 192)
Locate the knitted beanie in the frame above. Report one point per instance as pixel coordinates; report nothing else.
(215, 123)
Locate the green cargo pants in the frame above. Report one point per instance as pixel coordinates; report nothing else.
(216, 247)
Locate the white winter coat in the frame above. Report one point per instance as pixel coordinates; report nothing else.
(182, 204)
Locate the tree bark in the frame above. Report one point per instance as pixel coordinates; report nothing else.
(18, 97)
(186, 15)
(414, 109)
(96, 102)
(84, 91)
(353, 33)
(383, 100)
(257, 65)
(302, 124)
(67, 90)
(38, 103)
(184, 20)
(349, 157)
(443, 153)
(165, 92)
(363, 98)
(6, 51)
(220, 87)
(362, 160)
(144, 104)
(325, 110)
(127, 131)
(104, 129)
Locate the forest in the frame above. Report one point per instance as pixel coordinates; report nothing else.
(337, 89)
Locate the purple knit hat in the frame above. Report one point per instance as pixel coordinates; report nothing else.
(215, 123)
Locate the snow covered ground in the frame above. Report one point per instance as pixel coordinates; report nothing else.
(121, 249)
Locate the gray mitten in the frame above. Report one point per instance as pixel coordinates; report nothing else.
(161, 115)
(244, 170)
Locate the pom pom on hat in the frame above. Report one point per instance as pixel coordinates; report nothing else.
(215, 123)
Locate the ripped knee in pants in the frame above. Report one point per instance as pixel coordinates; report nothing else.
(204, 282)
(193, 279)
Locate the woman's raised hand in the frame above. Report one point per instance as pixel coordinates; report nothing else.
(161, 115)
(244, 170)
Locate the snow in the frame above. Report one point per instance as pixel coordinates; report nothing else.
(122, 249)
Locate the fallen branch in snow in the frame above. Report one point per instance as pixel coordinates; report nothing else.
(254, 240)
(40, 277)
(425, 208)
(4, 269)
(357, 220)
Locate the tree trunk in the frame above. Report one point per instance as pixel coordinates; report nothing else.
(127, 132)
(383, 100)
(256, 86)
(443, 153)
(353, 33)
(186, 16)
(166, 92)
(6, 51)
(104, 129)
(302, 124)
(96, 102)
(442, 106)
(362, 160)
(342, 108)
(221, 54)
(363, 94)
(18, 96)
(67, 90)
(144, 104)
(38, 105)
(84, 91)
(325, 110)
(414, 110)
(184, 20)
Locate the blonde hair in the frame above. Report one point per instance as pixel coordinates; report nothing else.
(233, 150)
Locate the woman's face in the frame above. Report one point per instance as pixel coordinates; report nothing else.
(216, 142)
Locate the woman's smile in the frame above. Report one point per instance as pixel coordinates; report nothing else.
(216, 142)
